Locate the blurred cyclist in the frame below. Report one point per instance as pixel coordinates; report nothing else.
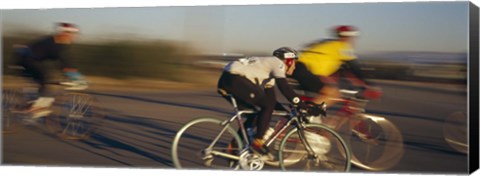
(32, 58)
(251, 81)
(319, 66)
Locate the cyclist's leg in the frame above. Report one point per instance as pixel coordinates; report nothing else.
(37, 71)
(247, 94)
(244, 90)
(39, 108)
(265, 116)
(265, 100)
(224, 86)
(267, 105)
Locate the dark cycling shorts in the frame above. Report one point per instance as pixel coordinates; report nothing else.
(307, 80)
(247, 94)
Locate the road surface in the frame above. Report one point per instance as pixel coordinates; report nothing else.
(139, 127)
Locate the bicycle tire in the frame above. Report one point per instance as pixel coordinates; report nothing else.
(323, 141)
(75, 116)
(382, 150)
(195, 136)
(455, 131)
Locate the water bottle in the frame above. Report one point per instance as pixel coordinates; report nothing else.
(268, 133)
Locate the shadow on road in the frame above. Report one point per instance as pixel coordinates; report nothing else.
(132, 141)
(162, 102)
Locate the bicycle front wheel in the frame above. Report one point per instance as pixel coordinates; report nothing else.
(204, 143)
(75, 116)
(376, 143)
(328, 151)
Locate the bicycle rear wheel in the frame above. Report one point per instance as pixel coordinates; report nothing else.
(194, 147)
(75, 116)
(376, 143)
(331, 152)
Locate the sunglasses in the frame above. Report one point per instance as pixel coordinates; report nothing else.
(289, 61)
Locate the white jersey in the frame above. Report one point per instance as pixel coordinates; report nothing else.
(260, 70)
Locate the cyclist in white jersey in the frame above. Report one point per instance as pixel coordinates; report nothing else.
(251, 81)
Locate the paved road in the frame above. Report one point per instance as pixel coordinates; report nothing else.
(140, 125)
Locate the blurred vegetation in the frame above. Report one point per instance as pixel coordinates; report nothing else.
(128, 59)
(118, 59)
(175, 61)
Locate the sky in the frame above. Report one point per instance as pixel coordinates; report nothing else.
(384, 26)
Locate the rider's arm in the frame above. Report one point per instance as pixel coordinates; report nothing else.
(66, 65)
(69, 71)
(287, 91)
(65, 62)
(354, 67)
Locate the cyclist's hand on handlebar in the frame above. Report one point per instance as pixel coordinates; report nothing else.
(74, 75)
(77, 80)
(301, 106)
(310, 108)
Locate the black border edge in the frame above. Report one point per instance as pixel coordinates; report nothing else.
(473, 88)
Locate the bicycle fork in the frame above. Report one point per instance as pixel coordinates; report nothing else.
(311, 155)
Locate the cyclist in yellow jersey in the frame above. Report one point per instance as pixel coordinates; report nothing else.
(326, 58)
(317, 69)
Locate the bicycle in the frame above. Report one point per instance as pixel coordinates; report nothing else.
(294, 144)
(75, 113)
(376, 143)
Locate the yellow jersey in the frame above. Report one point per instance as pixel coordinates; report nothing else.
(325, 58)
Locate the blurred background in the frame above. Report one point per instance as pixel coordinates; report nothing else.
(410, 41)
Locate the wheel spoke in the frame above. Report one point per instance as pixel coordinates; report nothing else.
(77, 119)
(194, 145)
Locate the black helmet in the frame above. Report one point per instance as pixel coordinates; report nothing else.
(285, 53)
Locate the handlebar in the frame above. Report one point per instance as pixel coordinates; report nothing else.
(313, 109)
